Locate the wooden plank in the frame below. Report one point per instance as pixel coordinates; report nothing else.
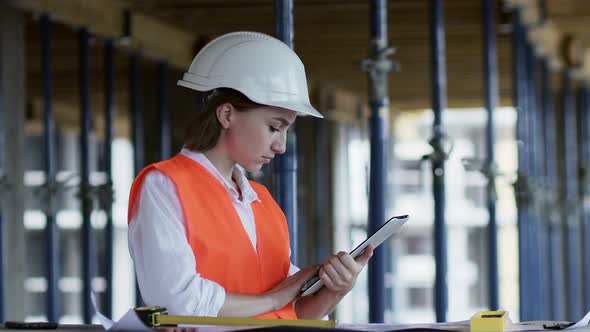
(162, 40)
(105, 18)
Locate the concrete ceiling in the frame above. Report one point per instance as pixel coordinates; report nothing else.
(331, 37)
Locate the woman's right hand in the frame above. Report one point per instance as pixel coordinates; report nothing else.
(288, 290)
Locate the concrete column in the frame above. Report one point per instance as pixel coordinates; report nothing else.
(12, 123)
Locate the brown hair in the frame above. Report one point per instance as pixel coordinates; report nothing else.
(204, 129)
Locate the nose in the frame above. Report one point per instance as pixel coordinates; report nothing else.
(280, 144)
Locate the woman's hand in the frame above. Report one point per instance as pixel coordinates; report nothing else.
(339, 272)
(288, 290)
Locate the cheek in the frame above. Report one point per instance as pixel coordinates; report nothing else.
(249, 141)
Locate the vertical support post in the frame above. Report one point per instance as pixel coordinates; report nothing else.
(136, 127)
(285, 165)
(555, 253)
(3, 191)
(53, 303)
(541, 160)
(521, 190)
(163, 113)
(584, 124)
(107, 194)
(439, 103)
(531, 142)
(378, 68)
(12, 145)
(87, 241)
(321, 176)
(571, 204)
(491, 102)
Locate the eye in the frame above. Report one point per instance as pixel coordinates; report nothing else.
(273, 129)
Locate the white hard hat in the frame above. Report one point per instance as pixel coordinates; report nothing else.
(261, 67)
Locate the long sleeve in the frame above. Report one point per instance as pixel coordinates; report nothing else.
(164, 262)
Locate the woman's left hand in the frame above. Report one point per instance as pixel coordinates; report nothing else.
(339, 272)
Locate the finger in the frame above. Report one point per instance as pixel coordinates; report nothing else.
(364, 258)
(346, 268)
(350, 263)
(337, 279)
(326, 280)
(306, 273)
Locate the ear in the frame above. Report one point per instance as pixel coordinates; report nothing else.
(224, 114)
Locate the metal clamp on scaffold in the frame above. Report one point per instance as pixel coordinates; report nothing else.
(158, 316)
(106, 195)
(522, 190)
(50, 188)
(5, 185)
(379, 63)
(488, 169)
(440, 152)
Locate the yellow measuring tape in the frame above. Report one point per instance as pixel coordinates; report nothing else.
(158, 316)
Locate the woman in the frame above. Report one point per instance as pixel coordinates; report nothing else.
(206, 241)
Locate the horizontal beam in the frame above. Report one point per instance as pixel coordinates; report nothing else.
(161, 40)
(106, 18)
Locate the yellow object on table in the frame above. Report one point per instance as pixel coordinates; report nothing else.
(489, 321)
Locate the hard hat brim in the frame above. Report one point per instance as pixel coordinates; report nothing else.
(296, 106)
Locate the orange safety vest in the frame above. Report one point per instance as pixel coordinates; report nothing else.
(217, 237)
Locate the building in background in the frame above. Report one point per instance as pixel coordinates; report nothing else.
(412, 269)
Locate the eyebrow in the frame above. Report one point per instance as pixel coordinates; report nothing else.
(283, 121)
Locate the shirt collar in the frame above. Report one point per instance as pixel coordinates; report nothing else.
(248, 193)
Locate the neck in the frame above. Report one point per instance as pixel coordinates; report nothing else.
(221, 162)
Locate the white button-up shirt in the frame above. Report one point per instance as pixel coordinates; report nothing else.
(164, 261)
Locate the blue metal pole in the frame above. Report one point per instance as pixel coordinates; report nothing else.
(555, 268)
(136, 127)
(2, 260)
(53, 304)
(573, 245)
(379, 103)
(321, 184)
(87, 241)
(439, 103)
(163, 112)
(536, 227)
(521, 190)
(491, 101)
(584, 111)
(285, 165)
(2, 192)
(109, 79)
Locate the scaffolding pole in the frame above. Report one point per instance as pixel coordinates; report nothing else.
(137, 136)
(491, 102)
(163, 112)
(536, 232)
(107, 191)
(521, 185)
(439, 103)
(53, 303)
(555, 267)
(285, 165)
(571, 202)
(378, 68)
(584, 125)
(87, 239)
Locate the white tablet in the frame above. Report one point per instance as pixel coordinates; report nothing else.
(386, 230)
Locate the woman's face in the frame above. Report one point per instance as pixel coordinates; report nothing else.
(255, 136)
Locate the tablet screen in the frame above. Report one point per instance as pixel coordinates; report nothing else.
(386, 230)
